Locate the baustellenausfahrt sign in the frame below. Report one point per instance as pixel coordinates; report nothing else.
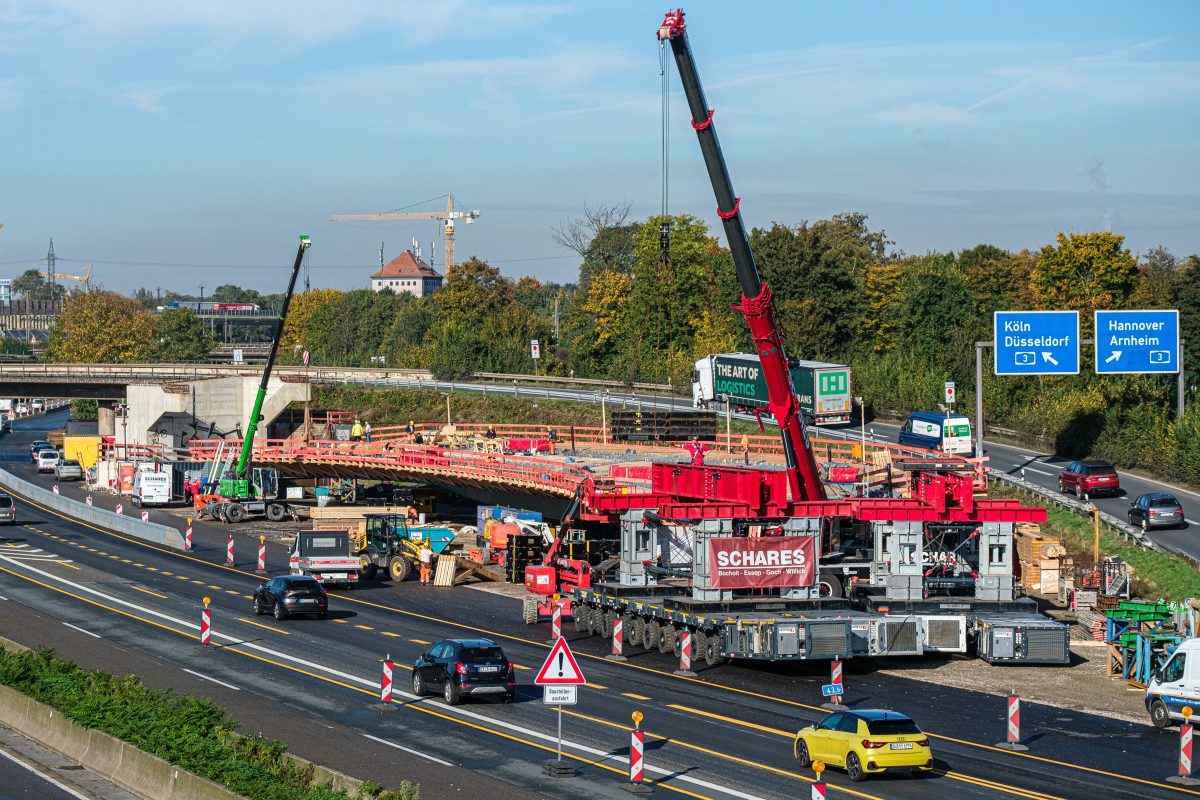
(759, 562)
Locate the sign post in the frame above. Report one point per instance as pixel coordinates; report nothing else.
(560, 677)
(535, 350)
(951, 396)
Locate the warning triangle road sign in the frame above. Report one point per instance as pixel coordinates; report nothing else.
(560, 668)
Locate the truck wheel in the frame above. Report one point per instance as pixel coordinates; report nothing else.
(400, 569)
(276, 512)
(712, 651)
(580, 614)
(635, 630)
(666, 639)
(235, 513)
(829, 586)
(650, 635)
(529, 613)
(606, 624)
(1160, 717)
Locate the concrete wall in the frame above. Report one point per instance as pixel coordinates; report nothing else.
(223, 401)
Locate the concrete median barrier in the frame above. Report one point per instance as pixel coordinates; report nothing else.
(131, 526)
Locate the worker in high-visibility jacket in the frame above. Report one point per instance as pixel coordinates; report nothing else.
(426, 557)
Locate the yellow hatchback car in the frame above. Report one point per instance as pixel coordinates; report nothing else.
(865, 742)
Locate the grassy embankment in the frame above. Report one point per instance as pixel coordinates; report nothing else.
(1156, 575)
(195, 734)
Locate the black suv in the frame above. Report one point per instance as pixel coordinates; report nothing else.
(291, 594)
(458, 667)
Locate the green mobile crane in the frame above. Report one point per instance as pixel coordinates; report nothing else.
(246, 492)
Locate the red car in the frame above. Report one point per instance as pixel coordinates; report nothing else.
(1086, 479)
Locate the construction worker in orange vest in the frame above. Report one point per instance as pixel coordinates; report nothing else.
(426, 563)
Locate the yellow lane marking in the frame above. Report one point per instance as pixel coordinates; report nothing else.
(651, 670)
(182, 577)
(164, 572)
(726, 756)
(68, 564)
(522, 666)
(369, 692)
(341, 622)
(152, 569)
(198, 583)
(126, 561)
(364, 627)
(147, 591)
(115, 558)
(595, 686)
(393, 635)
(420, 641)
(215, 588)
(136, 564)
(264, 627)
(634, 696)
(233, 592)
(732, 721)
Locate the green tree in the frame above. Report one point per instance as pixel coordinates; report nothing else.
(31, 284)
(181, 336)
(102, 327)
(1084, 272)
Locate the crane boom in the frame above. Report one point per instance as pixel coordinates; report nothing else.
(449, 216)
(757, 307)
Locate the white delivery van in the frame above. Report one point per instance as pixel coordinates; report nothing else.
(1175, 685)
(151, 488)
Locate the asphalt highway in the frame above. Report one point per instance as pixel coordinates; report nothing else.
(725, 734)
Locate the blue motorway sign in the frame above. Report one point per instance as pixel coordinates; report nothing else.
(831, 689)
(1137, 341)
(1037, 342)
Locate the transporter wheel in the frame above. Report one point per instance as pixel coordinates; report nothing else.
(677, 649)
(829, 586)
(580, 613)
(699, 645)
(235, 513)
(529, 614)
(712, 650)
(595, 621)
(606, 623)
(667, 637)
(276, 512)
(635, 630)
(1160, 717)
(650, 635)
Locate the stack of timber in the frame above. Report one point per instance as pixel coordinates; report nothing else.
(1043, 559)
(662, 426)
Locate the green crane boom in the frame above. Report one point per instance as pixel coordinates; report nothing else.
(243, 464)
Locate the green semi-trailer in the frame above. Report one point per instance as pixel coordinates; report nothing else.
(823, 389)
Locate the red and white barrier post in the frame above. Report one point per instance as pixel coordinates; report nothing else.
(1184, 776)
(120, 509)
(555, 622)
(637, 758)
(229, 551)
(187, 534)
(818, 786)
(261, 569)
(835, 690)
(685, 656)
(385, 685)
(1012, 739)
(618, 648)
(145, 516)
(56, 489)
(89, 500)
(205, 624)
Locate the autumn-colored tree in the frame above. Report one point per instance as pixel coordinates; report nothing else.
(102, 327)
(882, 293)
(298, 327)
(1085, 272)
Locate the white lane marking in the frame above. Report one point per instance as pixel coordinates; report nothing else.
(373, 683)
(2, 597)
(214, 680)
(48, 779)
(1190, 521)
(425, 756)
(1038, 471)
(81, 630)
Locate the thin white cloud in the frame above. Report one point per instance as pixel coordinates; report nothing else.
(149, 97)
(10, 95)
(923, 115)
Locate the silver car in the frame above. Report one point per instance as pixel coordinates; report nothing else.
(68, 470)
(8, 510)
(47, 460)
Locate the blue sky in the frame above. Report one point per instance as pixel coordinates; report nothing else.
(177, 144)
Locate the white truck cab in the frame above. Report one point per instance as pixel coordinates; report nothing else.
(1175, 685)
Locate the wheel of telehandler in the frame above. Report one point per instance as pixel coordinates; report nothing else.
(666, 639)
(367, 568)
(400, 569)
(235, 513)
(650, 635)
(276, 512)
(580, 613)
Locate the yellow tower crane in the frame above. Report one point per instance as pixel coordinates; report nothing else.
(85, 279)
(449, 215)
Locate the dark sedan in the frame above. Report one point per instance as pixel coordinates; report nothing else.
(458, 667)
(291, 594)
(1156, 510)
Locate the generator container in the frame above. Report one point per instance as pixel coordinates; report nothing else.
(540, 580)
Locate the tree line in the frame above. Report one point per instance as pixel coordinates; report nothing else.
(652, 296)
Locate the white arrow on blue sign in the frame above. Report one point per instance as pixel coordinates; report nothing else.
(1137, 341)
(1036, 342)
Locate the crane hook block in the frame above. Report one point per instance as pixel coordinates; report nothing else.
(672, 26)
(733, 212)
(703, 126)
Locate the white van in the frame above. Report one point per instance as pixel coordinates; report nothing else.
(151, 488)
(1175, 685)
